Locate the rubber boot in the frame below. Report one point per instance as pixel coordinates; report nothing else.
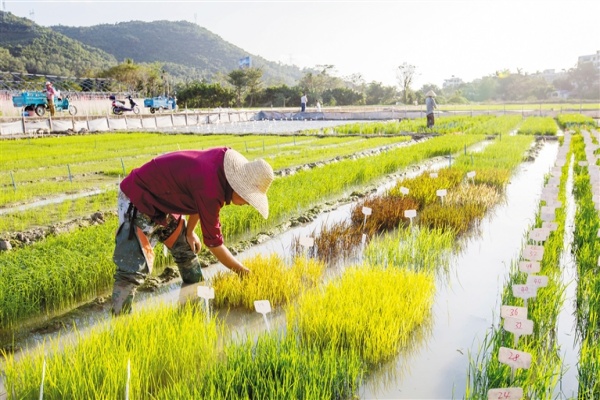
(190, 271)
(122, 297)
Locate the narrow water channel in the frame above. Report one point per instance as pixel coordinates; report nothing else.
(468, 303)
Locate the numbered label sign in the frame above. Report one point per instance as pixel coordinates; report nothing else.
(539, 234)
(551, 226)
(530, 267)
(513, 393)
(548, 197)
(555, 181)
(548, 210)
(307, 241)
(514, 358)
(433, 175)
(550, 191)
(554, 203)
(524, 291)
(410, 213)
(404, 190)
(366, 210)
(533, 253)
(513, 312)
(537, 281)
(262, 306)
(441, 192)
(583, 163)
(556, 171)
(471, 174)
(206, 292)
(518, 326)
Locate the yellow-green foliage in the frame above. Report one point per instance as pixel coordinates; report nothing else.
(414, 249)
(497, 177)
(387, 212)
(368, 308)
(423, 188)
(458, 218)
(164, 344)
(575, 120)
(484, 195)
(538, 126)
(271, 279)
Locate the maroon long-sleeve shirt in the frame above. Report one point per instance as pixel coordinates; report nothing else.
(183, 182)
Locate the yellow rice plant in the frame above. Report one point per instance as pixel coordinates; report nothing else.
(387, 213)
(271, 279)
(371, 309)
(458, 219)
(497, 177)
(423, 188)
(481, 195)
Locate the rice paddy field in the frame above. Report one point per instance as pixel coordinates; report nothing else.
(461, 262)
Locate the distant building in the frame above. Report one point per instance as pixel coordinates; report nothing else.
(452, 82)
(551, 75)
(593, 58)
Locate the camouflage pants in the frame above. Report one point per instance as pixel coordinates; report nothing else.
(133, 255)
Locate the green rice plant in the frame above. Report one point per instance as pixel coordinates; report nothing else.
(370, 309)
(270, 279)
(417, 249)
(538, 126)
(575, 120)
(501, 125)
(163, 344)
(275, 368)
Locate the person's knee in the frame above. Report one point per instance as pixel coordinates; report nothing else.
(191, 271)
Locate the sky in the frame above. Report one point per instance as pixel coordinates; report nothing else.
(467, 39)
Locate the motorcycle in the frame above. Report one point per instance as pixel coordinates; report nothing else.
(119, 107)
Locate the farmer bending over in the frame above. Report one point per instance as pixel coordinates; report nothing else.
(153, 199)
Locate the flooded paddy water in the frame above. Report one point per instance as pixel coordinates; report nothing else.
(466, 302)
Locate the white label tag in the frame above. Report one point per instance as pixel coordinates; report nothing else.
(433, 175)
(514, 358)
(554, 181)
(513, 312)
(539, 234)
(366, 210)
(583, 163)
(262, 306)
(513, 393)
(530, 267)
(441, 192)
(206, 292)
(524, 291)
(471, 174)
(518, 326)
(410, 213)
(554, 203)
(547, 210)
(533, 253)
(307, 241)
(551, 226)
(403, 190)
(537, 281)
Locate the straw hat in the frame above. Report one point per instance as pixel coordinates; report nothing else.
(48, 83)
(250, 180)
(430, 93)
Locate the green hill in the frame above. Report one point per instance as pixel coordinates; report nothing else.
(187, 50)
(29, 48)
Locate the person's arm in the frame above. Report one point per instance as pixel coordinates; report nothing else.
(193, 239)
(227, 259)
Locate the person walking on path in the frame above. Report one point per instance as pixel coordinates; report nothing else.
(430, 105)
(303, 101)
(50, 93)
(153, 199)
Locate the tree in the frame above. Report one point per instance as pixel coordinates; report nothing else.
(586, 78)
(239, 80)
(405, 74)
(253, 82)
(376, 93)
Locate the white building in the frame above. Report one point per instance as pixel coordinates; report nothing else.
(452, 82)
(593, 58)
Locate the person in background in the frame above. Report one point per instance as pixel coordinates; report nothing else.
(303, 101)
(430, 105)
(50, 93)
(153, 199)
(318, 106)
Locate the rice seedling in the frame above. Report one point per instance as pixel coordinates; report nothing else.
(369, 308)
(575, 120)
(538, 126)
(423, 188)
(270, 279)
(418, 249)
(387, 213)
(275, 368)
(501, 125)
(164, 345)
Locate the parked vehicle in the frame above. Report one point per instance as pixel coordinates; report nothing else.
(160, 103)
(119, 107)
(36, 102)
